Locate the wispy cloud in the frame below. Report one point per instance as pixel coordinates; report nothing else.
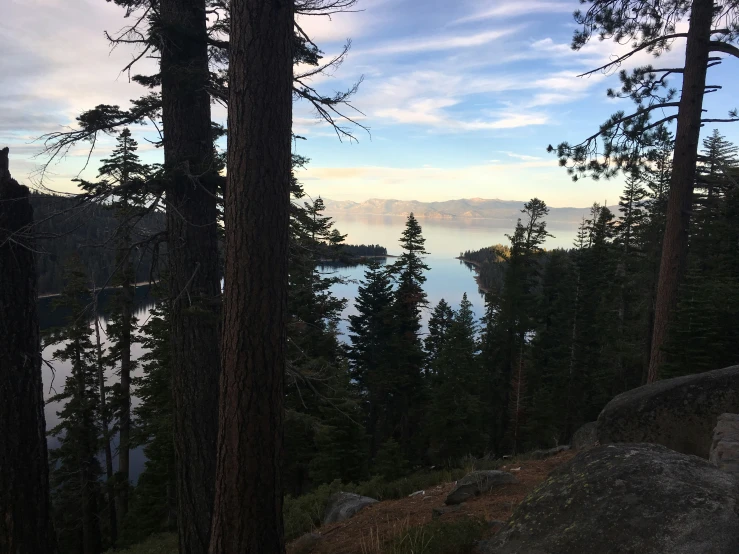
(439, 43)
(514, 9)
(520, 156)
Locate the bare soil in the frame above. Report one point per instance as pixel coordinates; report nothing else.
(377, 523)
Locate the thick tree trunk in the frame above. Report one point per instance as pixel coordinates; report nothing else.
(248, 507)
(675, 243)
(105, 424)
(193, 264)
(25, 506)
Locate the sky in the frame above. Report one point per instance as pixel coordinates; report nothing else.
(461, 98)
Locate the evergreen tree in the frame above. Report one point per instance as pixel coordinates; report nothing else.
(153, 502)
(455, 422)
(75, 467)
(406, 382)
(370, 352)
(510, 317)
(438, 331)
(125, 176)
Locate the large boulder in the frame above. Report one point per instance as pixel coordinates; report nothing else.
(343, 505)
(476, 483)
(627, 499)
(725, 447)
(678, 413)
(585, 437)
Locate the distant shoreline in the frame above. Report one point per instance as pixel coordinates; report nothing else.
(476, 266)
(135, 285)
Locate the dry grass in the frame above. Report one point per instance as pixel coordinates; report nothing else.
(380, 527)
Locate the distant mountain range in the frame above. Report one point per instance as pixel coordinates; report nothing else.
(466, 208)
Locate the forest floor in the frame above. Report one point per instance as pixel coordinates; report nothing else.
(380, 523)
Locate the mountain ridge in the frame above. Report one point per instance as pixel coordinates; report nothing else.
(463, 208)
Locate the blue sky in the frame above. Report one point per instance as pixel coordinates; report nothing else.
(461, 98)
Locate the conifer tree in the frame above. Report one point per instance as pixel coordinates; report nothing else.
(125, 176)
(407, 348)
(25, 502)
(455, 422)
(370, 352)
(153, 502)
(440, 321)
(511, 316)
(76, 470)
(620, 141)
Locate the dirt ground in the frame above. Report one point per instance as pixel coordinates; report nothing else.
(379, 522)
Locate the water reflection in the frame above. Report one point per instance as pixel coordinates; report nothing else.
(448, 278)
(55, 372)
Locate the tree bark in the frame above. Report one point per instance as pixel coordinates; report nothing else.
(193, 263)
(25, 505)
(685, 156)
(248, 507)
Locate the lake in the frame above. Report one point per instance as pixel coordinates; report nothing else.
(447, 278)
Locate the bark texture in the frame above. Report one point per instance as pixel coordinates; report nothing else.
(685, 157)
(248, 507)
(25, 505)
(193, 263)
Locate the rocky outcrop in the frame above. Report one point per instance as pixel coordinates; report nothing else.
(678, 413)
(343, 505)
(585, 437)
(725, 448)
(476, 483)
(627, 498)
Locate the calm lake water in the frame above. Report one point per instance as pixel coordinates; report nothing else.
(447, 278)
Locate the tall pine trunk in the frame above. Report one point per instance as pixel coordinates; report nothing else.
(87, 449)
(248, 507)
(105, 423)
(675, 243)
(25, 504)
(192, 250)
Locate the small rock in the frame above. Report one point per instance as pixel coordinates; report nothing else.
(343, 505)
(306, 544)
(586, 436)
(496, 525)
(724, 452)
(542, 454)
(442, 510)
(476, 483)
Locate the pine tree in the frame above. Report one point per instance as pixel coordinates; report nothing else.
(510, 317)
(406, 346)
(455, 422)
(153, 502)
(370, 352)
(439, 324)
(126, 177)
(26, 521)
(76, 470)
